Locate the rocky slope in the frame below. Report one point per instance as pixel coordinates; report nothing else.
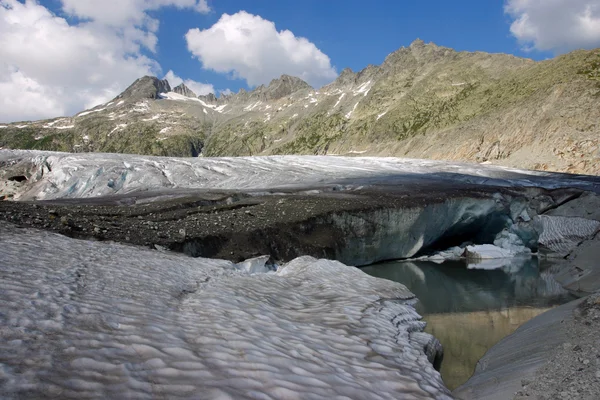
(424, 101)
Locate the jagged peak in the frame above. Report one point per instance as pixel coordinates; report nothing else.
(417, 43)
(369, 72)
(417, 53)
(291, 80)
(346, 72)
(209, 98)
(346, 78)
(183, 90)
(283, 86)
(146, 87)
(280, 87)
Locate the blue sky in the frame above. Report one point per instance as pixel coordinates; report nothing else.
(60, 56)
(352, 33)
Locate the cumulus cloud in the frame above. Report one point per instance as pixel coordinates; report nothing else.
(555, 25)
(250, 47)
(197, 87)
(127, 12)
(50, 68)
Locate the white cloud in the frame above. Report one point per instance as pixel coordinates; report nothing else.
(225, 92)
(197, 87)
(129, 17)
(127, 12)
(555, 25)
(251, 48)
(49, 68)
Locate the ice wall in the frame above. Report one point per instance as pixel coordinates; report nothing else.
(394, 233)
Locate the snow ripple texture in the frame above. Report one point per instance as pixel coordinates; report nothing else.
(63, 175)
(84, 319)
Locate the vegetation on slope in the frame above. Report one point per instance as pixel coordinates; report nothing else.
(423, 101)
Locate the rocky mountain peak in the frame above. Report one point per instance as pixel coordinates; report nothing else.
(346, 78)
(417, 54)
(209, 98)
(417, 43)
(346, 72)
(294, 83)
(278, 88)
(283, 86)
(184, 91)
(424, 100)
(147, 87)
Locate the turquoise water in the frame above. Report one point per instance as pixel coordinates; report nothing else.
(451, 287)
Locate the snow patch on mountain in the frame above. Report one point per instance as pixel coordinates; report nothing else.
(251, 107)
(339, 99)
(349, 114)
(362, 89)
(83, 114)
(51, 124)
(141, 107)
(152, 118)
(116, 128)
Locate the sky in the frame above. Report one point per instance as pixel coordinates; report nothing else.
(58, 57)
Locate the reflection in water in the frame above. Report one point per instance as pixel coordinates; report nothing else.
(470, 310)
(467, 336)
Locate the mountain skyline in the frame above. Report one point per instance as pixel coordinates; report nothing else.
(63, 56)
(423, 101)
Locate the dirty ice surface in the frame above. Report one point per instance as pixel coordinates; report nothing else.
(85, 319)
(54, 175)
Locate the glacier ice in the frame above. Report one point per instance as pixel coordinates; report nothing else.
(86, 319)
(563, 234)
(67, 175)
(255, 265)
(489, 256)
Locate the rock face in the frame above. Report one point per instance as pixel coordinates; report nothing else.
(209, 98)
(284, 86)
(424, 101)
(184, 91)
(148, 87)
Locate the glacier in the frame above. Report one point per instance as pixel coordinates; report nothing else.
(85, 319)
(363, 237)
(89, 319)
(53, 175)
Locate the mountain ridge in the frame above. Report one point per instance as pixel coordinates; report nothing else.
(184, 90)
(423, 101)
